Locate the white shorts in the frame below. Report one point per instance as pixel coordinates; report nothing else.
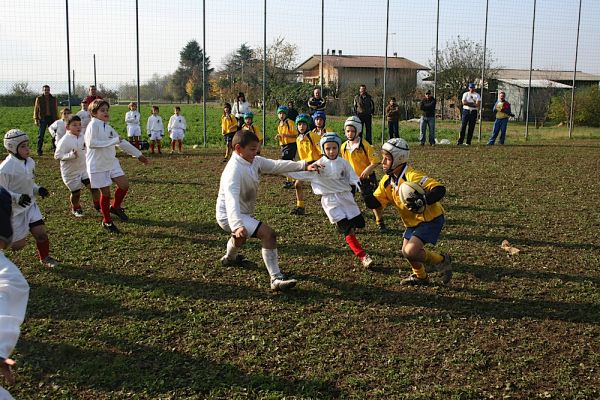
(134, 130)
(20, 222)
(156, 135)
(251, 224)
(177, 134)
(75, 182)
(338, 206)
(103, 179)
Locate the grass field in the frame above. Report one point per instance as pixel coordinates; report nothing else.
(151, 314)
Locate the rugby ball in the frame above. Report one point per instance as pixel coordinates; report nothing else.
(407, 190)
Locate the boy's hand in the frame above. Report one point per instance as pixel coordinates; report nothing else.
(5, 369)
(42, 191)
(314, 167)
(240, 232)
(143, 159)
(24, 200)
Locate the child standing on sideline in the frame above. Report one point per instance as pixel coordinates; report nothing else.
(421, 227)
(176, 129)
(14, 294)
(134, 130)
(70, 150)
(392, 113)
(307, 144)
(237, 200)
(17, 177)
(359, 153)
(84, 115)
(102, 164)
(334, 185)
(319, 119)
(155, 129)
(58, 127)
(229, 127)
(286, 134)
(249, 126)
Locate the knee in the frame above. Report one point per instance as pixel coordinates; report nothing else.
(410, 252)
(40, 236)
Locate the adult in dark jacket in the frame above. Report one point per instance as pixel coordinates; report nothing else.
(364, 107)
(427, 119)
(316, 102)
(92, 95)
(45, 112)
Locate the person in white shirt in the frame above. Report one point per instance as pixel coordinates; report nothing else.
(236, 203)
(176, 128)
(102, 165)
(58, 127)
(471, 101)
(84, 115)
(70, 150)
(155, 129)
(14, 294)
(134, 130)
(240, 107)
(335, 184)
(17, 177)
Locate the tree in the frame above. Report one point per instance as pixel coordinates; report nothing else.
(21, 89)
(281, 59)
(460, 63)
(190, 68)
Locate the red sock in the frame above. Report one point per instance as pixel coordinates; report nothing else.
(159, 147)
(43, 249)
(136, 143)
(355, 246)
(105, 208)
(173, 145)
(119, 196)
(180, 146)
(152, 147)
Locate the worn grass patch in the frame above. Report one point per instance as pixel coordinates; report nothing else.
(151, 314)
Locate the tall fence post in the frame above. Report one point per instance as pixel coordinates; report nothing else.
(137, 51)
(68, 55)
(322, 44)
(385, 68)
(487, 4)
(530, 69)
(264, 93)
(437, 37)
(571, 121)
(204, 71)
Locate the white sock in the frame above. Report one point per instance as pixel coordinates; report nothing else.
(270, 258)
(232, 251)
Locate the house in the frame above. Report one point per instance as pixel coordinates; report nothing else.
(564, 77)
(340, 71)
(541, 92)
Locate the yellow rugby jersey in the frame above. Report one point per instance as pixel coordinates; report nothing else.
(359, 158)
(228, 124)
(387, 192)
(308, 146)
(287, 129)
(254, 129)
(319, 134)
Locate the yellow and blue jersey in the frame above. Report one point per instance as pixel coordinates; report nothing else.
(287, 128)
(308, 146)
(359, 158)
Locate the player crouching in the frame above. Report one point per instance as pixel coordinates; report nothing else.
(422, 214)
(17, 177)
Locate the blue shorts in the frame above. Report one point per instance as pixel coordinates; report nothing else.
(288, 151)
(428, 232)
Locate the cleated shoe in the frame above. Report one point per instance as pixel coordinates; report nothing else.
(382, 228)
(298, 211)
(366, 261)
(119, 212)
(280, 283)
(412, 280)
(111, 227)
(77, 212)
(227, 262)
(50, 262)
(445, 269)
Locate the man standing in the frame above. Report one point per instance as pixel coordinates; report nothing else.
(471, 101)
(92, 95)
(503, 111)
(316, 102)
(45, 112)
(364, 108)
(427, 119)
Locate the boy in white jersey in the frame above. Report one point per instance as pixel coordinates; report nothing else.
(59, 127)
(155, 129)
(176, 128)
(102, 164)
(134, 130)
(17, 177)
(84, 115)
(70, 150)
(14, 294)
(237, 200)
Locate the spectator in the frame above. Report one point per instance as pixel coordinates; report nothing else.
(392, 113)
(92, 95)
(316, 102)
(45, 112)
(471, 103)
(292, 112)
(427, 119)
(364, 108)
(240, 107)
(503, 111)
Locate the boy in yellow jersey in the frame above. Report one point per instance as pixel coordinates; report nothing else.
(249, 126)
(421, 228)
(319, 119)
(229, 126)
(286, 134)
(307, 144)
(359, 153)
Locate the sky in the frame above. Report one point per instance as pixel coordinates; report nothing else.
(33, 37)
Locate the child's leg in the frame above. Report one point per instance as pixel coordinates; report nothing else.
(417, 255)
(152, 146)
(122, 188)
(180, 144)
(173, 145)
(378, 212)
(299, 194)
(233, 247)
(95, 196)
(268, 239)
(75, 196)
(351, 238)
(38, 230)
(105, 204)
